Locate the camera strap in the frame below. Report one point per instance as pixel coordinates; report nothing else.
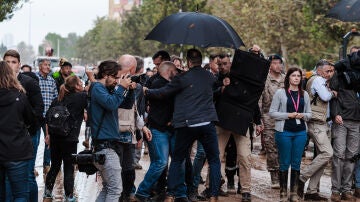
(98, 130)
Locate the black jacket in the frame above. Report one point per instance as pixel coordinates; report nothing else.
(76, 103)
(194, 97)
(16, 117)
(238, 103)
(33, 93)
(346, 104)
(160, 111)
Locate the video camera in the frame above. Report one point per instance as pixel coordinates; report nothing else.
(86, 159)
(349, 70)
(91, 158)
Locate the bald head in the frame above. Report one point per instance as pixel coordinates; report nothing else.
(128, 64)
(167, 70)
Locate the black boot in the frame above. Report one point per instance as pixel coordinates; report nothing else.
(294, 183)
(283, 175)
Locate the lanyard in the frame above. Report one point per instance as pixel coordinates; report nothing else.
(296, 105)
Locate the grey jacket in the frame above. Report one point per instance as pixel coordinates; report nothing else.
(278, 109)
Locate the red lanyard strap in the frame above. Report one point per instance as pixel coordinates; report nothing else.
(296, 105)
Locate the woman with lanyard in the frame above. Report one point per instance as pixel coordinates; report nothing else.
(290, 108)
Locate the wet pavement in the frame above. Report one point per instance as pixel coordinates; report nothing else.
(88, 187)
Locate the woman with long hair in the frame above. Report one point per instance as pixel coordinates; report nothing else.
(16, 148)
(71, 95)
(290, 108)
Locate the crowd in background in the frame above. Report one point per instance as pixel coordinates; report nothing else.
(172, 109)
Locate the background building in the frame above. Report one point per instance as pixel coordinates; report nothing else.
(117, 8)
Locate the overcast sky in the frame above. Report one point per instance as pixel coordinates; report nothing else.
(58, 16)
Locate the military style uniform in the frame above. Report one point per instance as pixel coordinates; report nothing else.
(271, 85)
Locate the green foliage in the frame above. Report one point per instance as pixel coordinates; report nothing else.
(7, 8)
(298, 30)
(109, 39)
(100, 43)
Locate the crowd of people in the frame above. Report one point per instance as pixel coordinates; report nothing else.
(173, 110)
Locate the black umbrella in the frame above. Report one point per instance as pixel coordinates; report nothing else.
(346, 10)
(198, 29)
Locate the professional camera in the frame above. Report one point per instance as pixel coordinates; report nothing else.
(83, 159)
(141, 79)
(349, 71)
(86, 159)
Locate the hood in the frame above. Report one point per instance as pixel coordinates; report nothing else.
(8, 96)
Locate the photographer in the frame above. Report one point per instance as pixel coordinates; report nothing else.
(71, 94)
(106, 96)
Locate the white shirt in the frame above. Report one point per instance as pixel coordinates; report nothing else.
(319, 86)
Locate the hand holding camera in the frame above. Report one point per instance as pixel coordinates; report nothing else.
(124, 81)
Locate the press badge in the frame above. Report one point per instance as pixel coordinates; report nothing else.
(298, 121)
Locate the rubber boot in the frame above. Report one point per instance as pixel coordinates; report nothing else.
(294, 183)
(283, 185)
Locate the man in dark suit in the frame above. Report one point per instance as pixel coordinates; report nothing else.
(194, 114)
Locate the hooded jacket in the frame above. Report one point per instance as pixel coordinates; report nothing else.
(16, 117)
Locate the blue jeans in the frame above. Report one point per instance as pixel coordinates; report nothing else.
(160, 147)
(32, 179)
(47, 154)
(198, 164)
(18, 174)
(357, 174)
(184, 138)
(291, 147)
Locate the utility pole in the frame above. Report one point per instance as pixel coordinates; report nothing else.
(29, 40)
(58, 47)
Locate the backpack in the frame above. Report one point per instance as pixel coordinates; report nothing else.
(59, 120)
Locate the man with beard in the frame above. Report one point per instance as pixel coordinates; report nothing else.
(106, 96)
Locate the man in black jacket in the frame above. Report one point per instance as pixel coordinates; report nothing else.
(345, 113)
(194, 114)
(159, 119)
(33, 93)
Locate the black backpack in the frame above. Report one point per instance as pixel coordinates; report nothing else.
(59, 120)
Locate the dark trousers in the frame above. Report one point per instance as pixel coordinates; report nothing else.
(61, 152)
(184, 138)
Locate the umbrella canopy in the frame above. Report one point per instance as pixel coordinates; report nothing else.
(346, 10)
(198, 29)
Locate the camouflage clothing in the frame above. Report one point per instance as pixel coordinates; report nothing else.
(271, 85)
